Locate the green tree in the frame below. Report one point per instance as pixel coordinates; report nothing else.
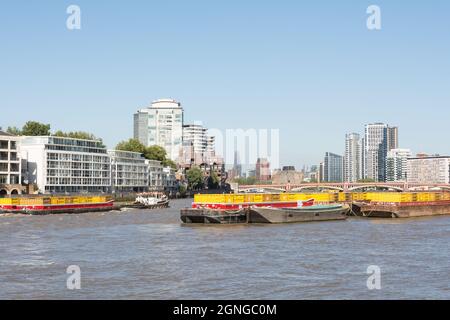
(33, 128)
(132, 145)
(182, 190)
(213, 181)
(169, 163)
(78, 135)
(195, 178)
(156, 153)
(14, 130)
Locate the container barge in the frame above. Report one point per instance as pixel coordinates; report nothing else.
(364, 204)
(261, 208)
(56, 205)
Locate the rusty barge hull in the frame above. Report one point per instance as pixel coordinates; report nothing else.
(404, 210)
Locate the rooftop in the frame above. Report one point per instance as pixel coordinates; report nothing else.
(3, 133)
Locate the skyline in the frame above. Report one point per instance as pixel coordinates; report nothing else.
(313, 71)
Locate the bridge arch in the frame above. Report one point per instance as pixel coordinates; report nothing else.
(376, 186)
(316, 188)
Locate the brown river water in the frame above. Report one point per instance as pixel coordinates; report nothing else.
(151, 255)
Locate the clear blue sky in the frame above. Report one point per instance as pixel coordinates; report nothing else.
(310, 68)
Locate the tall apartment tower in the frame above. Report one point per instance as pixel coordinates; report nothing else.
(392, 137)
(352, 158)
(333, 168)
(161, 124)
(196, 136)
(379, 139)
(397, 165)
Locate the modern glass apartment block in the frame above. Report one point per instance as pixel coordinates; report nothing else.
(333, 167)
(161, 124)
(196, 135)
(379, 138)
(10, 163)
(352, 158)
(397, 165)
(129, 171)
(66, 165)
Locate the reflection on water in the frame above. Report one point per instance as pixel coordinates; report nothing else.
(150, 255)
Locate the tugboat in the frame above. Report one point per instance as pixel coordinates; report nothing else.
(154, 200)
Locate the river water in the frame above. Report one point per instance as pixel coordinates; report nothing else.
(150, 255)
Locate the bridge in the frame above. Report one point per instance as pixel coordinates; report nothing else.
(345, 187)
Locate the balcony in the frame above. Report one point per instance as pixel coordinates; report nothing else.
(4, 156)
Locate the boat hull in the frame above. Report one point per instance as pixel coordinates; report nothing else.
(374, 210)
(60, 209)
(160, 205)
(287, 215)
(208, 216)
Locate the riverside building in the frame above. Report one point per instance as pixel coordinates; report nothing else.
(10, 164)
(161, 124)
(429, 169)
(379, 139)
(397, 165)
(66, 165)
(333, 168)
(352, 158)
(129, 171)
(263, 170)
(196, 136)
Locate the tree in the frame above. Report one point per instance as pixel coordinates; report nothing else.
(132, 145)
(33, 128)
(169, 163)
(14, 130)
(156, 153)
(76, 135)
(195, 178)
(213, 181)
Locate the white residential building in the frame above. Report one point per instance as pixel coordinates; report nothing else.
(66, 165)
(429, 169)
(196, 136)
(155, 175)
(397, 165)
(352, 158)
(10, 164)
(129, 171)
(161, 124)
(170, 182)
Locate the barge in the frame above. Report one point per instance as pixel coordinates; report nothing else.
(306, 214)
(56, 205)
(210, 216)
(401, 210)
(364, 204)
